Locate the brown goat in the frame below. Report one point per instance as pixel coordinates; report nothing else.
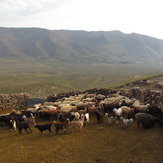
(61, 126)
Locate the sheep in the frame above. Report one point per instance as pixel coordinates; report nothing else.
(61, 125)
(47, 115)
(33, 110)
(62, 118)
(81, 106)
(124, 111)
(118, 112)
(82, 111)
(145, 120)
(68, 108)
(37, 106)
(30, 119)
(92, 109)
(41, 128)
(112, 118)
(127, 102)
(77, 124)
(57, 103)
(48, 103)
(109, 106)
(155, 111)
(140, 108)
(126, 122)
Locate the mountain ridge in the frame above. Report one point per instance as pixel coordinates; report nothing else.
(72, 46)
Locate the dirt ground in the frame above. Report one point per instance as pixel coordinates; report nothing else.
(96, 143)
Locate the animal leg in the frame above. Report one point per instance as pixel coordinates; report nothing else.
(26, 131)
(50, 130)
(20, 131)
(139, 124)
(116, 121)
(56, 131)
(30, 130)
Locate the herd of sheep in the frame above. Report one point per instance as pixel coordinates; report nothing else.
(74, 111)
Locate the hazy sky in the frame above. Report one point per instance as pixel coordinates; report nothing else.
(139, 16)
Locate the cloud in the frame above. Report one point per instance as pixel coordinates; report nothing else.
(27, 8)
(140, 16)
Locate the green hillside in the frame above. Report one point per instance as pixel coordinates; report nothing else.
(43, 62)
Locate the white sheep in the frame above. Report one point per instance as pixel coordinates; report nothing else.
(123, 111)
(118, 112)
(140, 108)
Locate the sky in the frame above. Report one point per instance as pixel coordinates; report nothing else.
(138, 16)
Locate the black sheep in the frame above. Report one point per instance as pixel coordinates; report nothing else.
(41, 128)
(156, 112)
(146, 120)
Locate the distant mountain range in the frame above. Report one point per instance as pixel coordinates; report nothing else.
(78, 46)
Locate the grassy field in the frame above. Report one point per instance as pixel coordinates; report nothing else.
(43, 79)
(94, 144)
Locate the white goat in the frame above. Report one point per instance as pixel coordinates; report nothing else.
(77, 124)
(13, 126)
(76, 114)
(86, 118)
(112, 118)
(126, 122)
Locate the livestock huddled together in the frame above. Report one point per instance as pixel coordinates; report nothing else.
(75, 111)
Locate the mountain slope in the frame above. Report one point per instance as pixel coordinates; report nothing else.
(74, 46)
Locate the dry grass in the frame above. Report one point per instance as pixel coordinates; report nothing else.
(95, 144)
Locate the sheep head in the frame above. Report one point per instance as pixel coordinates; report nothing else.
(106, 114)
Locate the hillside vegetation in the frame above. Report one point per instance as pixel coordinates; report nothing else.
(43, 62)
(40, 79)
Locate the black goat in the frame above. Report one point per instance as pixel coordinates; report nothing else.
(41, 128)
(5, 119)
(23, 125)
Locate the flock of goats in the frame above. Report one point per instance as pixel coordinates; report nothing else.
(75, 111)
